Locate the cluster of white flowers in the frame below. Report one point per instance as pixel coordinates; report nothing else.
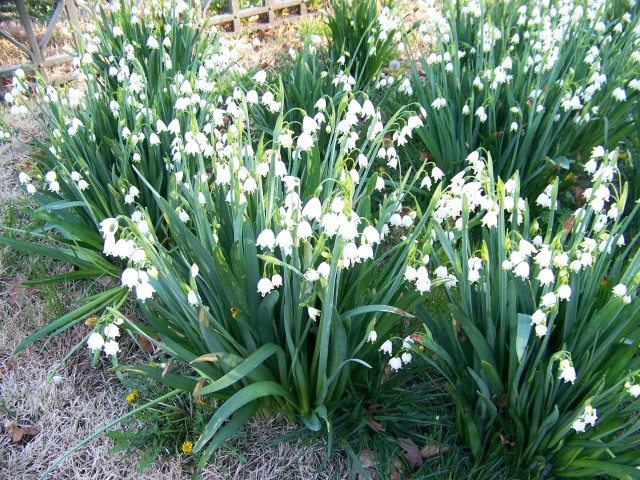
(105, 338)
(127, 248)
(25, 179)
(404, 355)
(4, 135)
(192, 95)
(316, 221)
(537, 43)
(389, 25)
(52, 179)
(327, 224)
(588, 417)
(80, 182)
(550, 264)
(16, 96)
(633, 389)
(567, 371)
(434, 25)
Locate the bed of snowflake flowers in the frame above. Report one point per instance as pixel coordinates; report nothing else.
(280, 264)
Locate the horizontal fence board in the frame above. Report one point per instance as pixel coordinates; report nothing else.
(49, 62)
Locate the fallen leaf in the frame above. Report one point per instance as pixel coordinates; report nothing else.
(426, 156)
(411, 451)
(578, 194)
(199, 399)
(502, 402)
(368, 461)
(367, 458)
(146, 345)
(397, 470)
(165, 369)
(83, 367)
(17, 292)
(388, 373)
(107, 281)
(20, 433)
(92, 321)
(429, 451)
(6, 366)
(371, 417)
(10, 426)
(417, 338)
(568, 225)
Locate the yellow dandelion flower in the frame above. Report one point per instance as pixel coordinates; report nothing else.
(187, 447)
(133, 396)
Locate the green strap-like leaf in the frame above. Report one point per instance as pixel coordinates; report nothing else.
(522, 334)
(590, 468)
(98, 303)
(238, 373)
(478, 340)
(170, 379)
(375, 309)
(495, 383)
(245, 396)
(232, 426)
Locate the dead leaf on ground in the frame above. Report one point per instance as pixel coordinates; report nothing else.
(199, 398)
(17, 292)
(371, 417)
(429, 451)
(368, 460)
(24, 435)
(397, 470)
(6, 366)
(578, 194)
(107, 281)
(388, 373)
(146, 345)
(411, 451)
(19, 433)
(83, 367)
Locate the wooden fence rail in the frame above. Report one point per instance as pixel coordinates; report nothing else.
(269, 8)
(35, 49)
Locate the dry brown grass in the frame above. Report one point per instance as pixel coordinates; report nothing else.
(85, 399)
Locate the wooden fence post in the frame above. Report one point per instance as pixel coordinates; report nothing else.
(35, 52)
(235, 11)
(72, 13)
(271, 14)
